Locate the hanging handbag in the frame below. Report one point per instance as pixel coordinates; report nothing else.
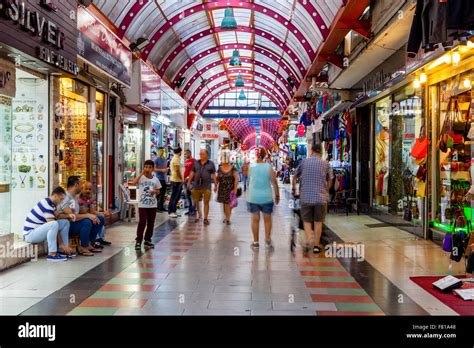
(459, 125)
(233, 200)
(420, 148)
(421, 191)
(444, 136)
(421, 172)
(407, 214)
(448, 242)
(460, 241)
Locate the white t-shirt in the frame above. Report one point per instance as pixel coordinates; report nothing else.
(147, 199)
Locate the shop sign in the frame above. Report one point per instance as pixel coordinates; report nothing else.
(39, 26)
(209, 136)
(99, 46)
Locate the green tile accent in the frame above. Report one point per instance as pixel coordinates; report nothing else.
(353, 292)
(112, 294)
(337, 279)
(93, 311)
(358, 307)
(146, 270)
(126, 281)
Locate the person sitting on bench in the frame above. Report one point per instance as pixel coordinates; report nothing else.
(41, 225)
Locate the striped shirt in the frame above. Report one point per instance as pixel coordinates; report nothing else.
(39, 215)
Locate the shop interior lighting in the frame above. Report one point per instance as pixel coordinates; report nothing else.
(416, 84)
(467, 83)
(456, 58)
(235, 60)
(423, 77)
(229, 22)
(242, 95)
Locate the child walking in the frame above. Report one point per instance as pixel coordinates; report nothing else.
(148, 189)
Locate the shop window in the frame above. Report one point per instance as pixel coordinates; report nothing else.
(399, 122)
(5, 167)
(74, 130)
(453, 210)
(97, 149)
(133, 140)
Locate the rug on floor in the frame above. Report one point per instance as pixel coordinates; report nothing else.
(451, 300)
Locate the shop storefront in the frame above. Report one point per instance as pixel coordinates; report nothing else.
(133, 144)
(105, 61)
(27, 99)
(447, 85)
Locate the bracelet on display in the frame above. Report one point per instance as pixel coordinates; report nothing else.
(24, 127)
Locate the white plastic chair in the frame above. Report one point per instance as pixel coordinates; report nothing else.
(128, 204)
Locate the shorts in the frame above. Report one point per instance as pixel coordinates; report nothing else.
(313, 212)
(198, 194)
(266, 208)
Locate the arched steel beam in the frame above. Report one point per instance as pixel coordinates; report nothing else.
(258, 49)
(198, 86)
(277, 99)
(256, 89)
(264, 34)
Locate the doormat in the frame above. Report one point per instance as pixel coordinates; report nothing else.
(451, 300)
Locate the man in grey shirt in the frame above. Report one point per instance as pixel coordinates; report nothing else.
(202, 175)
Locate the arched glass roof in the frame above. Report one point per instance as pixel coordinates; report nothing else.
(277, 41)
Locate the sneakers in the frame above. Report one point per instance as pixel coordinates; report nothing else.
(255, 245)
(56, 258)
(173, 215)
(138, 246)
(103, 241)
(269, 245)
(317, 249)
(149, 245)
(68, 256)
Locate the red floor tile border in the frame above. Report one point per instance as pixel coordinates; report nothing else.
(182, 238)
(129, 287)
(113, 302)
(333, 285)
(351, 314)
(176, 243)
(324, 273)
(318, 264)
(341, 298)
(157, 250)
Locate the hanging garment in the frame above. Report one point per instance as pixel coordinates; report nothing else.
(301, 130)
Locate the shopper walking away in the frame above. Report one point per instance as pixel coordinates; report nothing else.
(315, 177)
(176, 180)
(260, 199)
(161, 169)
(226, 182)
(41, 225)
(202, 175)
(245, 173)
(87, 205)
(188, 166)
(87, 225)
(148, 189)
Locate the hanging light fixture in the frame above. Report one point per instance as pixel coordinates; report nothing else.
(229, 22)
(239, 82)
(242, 95)
(235, 60)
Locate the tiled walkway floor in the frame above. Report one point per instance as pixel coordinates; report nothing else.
(211, 270)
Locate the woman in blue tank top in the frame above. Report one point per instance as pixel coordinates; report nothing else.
(260, 197)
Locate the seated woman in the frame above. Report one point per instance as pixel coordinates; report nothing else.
(87, 205)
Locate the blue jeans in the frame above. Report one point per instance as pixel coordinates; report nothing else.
(189, 197)
(176, 188)
(49, 231)
(101, 233)
(86, 230)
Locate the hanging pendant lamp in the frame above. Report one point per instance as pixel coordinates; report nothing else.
(239, 82)
(235, 60)
(242, 95)
(229, 22)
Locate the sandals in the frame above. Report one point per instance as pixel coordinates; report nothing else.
(206, 222)
(86, 253)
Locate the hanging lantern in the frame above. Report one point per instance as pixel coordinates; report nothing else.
(242, 95)
(239, 82)
(235, 60)
(229, 22)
